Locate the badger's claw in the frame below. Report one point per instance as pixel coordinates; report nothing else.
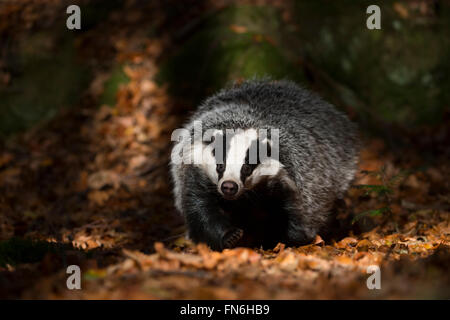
(231, 238)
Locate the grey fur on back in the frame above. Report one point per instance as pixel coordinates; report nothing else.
(319, 145)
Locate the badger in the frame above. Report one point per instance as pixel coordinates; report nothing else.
(262, 162)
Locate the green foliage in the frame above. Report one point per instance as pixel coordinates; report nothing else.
(398, 72)
(239, 42)
(115, 80)
(382, 191)
(371, 213)
(46, 75)
(48, 78)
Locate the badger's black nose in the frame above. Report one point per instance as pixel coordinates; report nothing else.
(229, 188)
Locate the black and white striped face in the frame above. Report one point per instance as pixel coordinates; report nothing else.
(238, 160)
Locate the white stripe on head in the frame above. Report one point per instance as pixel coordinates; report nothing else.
(235, 157)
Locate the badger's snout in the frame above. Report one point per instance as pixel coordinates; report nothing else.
(229, 188)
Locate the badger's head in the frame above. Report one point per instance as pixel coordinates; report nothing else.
(237, 160)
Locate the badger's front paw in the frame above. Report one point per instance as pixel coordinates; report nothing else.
(231, 238)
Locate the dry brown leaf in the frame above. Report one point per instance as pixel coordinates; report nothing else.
(347, 243)
(318, 241)
(401, 10)
(364, 245)
(238, 29)
(279, 247)
(289, 261)
(344, 260)
(98, 197)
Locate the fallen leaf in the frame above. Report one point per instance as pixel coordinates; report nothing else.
(98, 197)
(238, 29)
(101, 179)
(364, 245)
(319, 241)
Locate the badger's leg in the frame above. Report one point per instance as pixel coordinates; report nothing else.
(232, 237)
(209, 224)
(299, 230)
(302, 226)
(205, 219)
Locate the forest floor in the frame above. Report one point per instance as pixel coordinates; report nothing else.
(91, 188)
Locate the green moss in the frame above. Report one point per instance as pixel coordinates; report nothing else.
(397, 72)
(47, 75)
(217, 54)
(47, 78)
(115, 80)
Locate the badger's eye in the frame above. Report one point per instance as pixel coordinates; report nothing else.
(220, 168)
(246, 169)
